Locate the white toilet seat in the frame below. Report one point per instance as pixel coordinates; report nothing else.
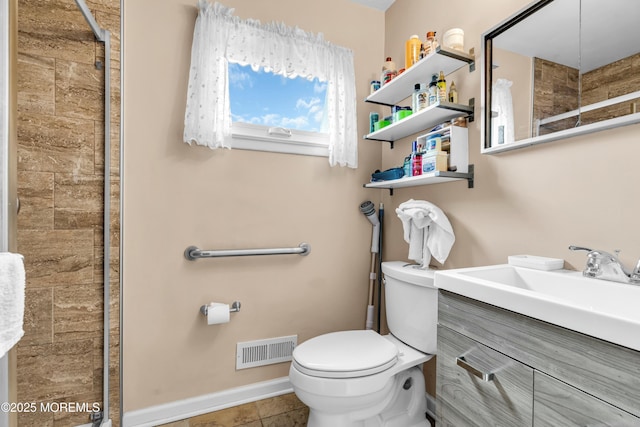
(345, 354)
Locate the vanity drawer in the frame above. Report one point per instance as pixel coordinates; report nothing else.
(607, 371)
(465, 399)
(559, 404)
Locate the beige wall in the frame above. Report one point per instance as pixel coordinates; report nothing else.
(176, 196)
(536, 200)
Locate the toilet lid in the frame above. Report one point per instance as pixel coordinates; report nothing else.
(346, 354)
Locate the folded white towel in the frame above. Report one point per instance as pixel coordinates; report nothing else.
(12, 280)
(427, 230)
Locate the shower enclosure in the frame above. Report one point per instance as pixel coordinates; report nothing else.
(7, 171)
(57, 154)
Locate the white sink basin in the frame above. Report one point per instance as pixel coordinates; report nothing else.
(603, 309)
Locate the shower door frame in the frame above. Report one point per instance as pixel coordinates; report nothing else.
(8, 156)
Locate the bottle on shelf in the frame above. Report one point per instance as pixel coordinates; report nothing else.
(430, 44)
(412, 51)
(420, 98)
(453, 93)
(442, 87)
(374, 86)
(388, 71)
(416, 159)
(373, 119)
(433, 90)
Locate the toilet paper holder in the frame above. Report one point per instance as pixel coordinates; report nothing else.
(234, 308)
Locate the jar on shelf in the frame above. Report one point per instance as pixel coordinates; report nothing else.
(389, 71)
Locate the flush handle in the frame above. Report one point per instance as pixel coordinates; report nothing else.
(484, 376)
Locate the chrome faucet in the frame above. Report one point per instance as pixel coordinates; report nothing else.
(605, 266)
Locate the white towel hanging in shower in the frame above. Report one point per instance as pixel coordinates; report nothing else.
(502, 125)
(12, 283)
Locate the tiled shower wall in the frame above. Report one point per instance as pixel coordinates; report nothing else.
(60, 224)
(556, 90)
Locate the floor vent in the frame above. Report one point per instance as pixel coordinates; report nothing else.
(250, 354)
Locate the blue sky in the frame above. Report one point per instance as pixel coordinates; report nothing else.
(270, 100)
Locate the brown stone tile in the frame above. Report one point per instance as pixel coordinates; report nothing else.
(295, 418)
(114, 313)
(36, 84)
(54, 371)
(115, 214)
(57, 257)
(110, 22)
(35, 419)
(35, 190)
(70, 418)
(251, 424)
(83, 406)
(181, 423)
(115, 95)
(55, 144)
(38, 317)
(78, 201)
(79, 90)
(98, 364)
(77, 312)
(115, 149)
(113, 279)
(231, 417)
(110, 6)
(279, 405)
(54, 29)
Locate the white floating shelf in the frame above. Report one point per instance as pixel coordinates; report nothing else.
(423, 119)
(403, 85)
(425, 179)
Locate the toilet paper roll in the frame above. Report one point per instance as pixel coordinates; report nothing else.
(217, 313)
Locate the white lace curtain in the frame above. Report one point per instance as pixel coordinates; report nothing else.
(220, 38)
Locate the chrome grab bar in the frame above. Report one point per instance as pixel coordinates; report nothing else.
(193, 253)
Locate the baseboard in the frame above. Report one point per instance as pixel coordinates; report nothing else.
(187, 408)
(431, 405)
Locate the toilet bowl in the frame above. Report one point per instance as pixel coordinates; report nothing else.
(361, 378)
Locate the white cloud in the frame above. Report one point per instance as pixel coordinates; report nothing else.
(312, 108)
(241, 80)
(320, 87)
(303, 104)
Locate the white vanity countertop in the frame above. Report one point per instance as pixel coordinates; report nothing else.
(603, 309)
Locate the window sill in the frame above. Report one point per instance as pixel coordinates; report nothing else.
(258, 138)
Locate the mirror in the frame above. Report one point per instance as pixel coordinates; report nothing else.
(560, 68)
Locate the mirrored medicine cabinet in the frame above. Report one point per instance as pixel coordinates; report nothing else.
(560, 68)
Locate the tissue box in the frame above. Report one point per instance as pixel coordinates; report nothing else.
(536, 262)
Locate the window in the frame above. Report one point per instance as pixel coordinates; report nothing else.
(276, 113)
(221, 39)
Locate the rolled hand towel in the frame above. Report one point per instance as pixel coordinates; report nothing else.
(427, 230)
(12, 282)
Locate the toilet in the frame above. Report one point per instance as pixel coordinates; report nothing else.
(360, 378)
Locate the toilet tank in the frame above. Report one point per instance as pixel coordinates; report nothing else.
(411, 304)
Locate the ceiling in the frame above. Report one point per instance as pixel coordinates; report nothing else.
(382, 5)
(609, 33)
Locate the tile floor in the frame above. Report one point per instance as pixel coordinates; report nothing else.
(280, 411)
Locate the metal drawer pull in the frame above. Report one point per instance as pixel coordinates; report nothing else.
(460, 361)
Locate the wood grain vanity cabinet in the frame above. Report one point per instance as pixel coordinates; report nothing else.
(499, 368)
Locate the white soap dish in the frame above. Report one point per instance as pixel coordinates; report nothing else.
(536, 262)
